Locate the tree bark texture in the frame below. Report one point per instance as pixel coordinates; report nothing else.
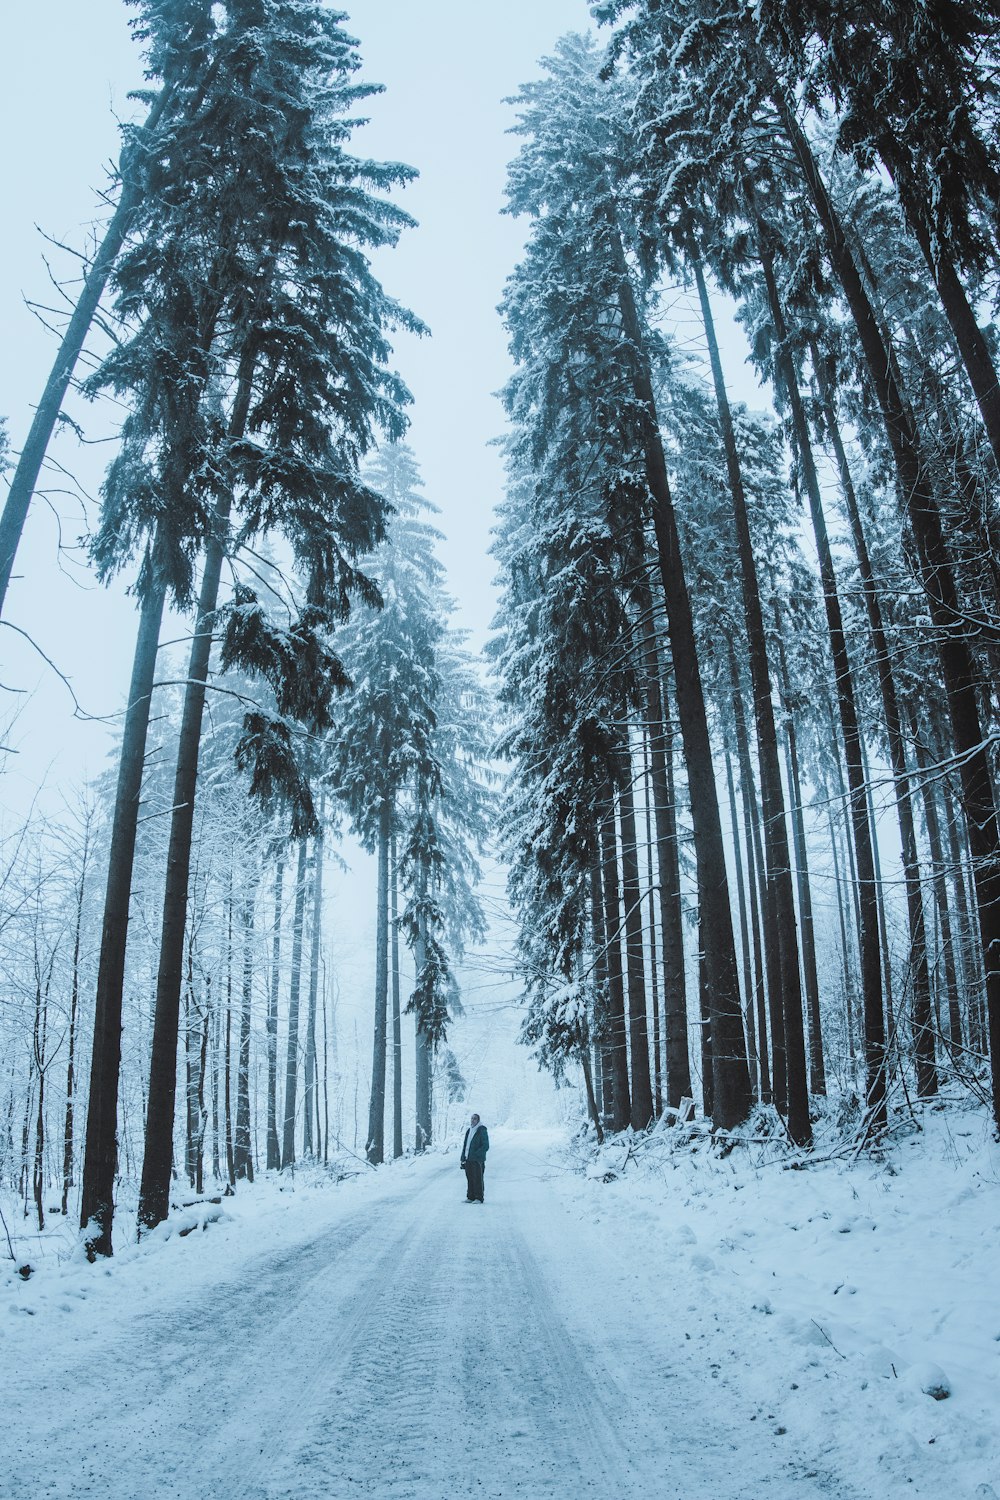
(423, 1056)
(242, 1146)
(654, 965)
(397, 1020)
(658, 727)
(921, 986)
(154, 1193)
(767, 931)
(753, 1051)
(817, 1065)
(273, 1144)
(74, 1006)
(310, 1142)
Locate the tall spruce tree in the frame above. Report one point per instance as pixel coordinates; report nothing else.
(384, 734)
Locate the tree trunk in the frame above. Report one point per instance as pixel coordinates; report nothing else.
(326, 1079)
(154, 1193)
(242, 1146)
(309, 1146)
(768, 929)
(202, 1112)
(641, 1095)
(422, 1054)
(846, 946)
(937, 576)
(621, 1108)
(940, 887)
(705, 1001)
(212, 1011)
(732, 1076)
(588, 1082)
(753, 1051)
(397, 1020)
(755, 877)
(922, 1033)
(41, 1062)
(654, 967)
(22, 485)
(100, 1161)
(817, 1065)
(972, 953)
(602, 1012)
(777, 854)
(661, 757)
(294, 988)
(228, 1076)
(26, 1136)
(192, 1036)
(375, 1149)
(154, 1198)
(273, 1144)
(74, 1006)
(871, 965)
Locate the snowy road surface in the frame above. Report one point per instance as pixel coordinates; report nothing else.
(416, 1346)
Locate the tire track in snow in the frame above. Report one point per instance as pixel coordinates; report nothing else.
(454, 1376)
(202, 1369)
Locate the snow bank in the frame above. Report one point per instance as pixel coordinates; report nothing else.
(859, 1296)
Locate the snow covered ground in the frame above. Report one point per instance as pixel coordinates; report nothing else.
(691, 1329)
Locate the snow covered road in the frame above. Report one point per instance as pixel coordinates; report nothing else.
(415, 1346)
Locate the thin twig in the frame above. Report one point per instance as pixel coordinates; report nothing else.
(78, 711)
(828, 1338)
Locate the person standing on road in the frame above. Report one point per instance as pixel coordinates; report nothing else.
(474, 1149)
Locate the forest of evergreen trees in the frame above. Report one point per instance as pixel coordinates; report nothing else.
(745, 660)
(732, 642)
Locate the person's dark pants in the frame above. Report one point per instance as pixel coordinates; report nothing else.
(474, 1176)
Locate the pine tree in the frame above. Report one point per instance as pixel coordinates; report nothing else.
(384, 734)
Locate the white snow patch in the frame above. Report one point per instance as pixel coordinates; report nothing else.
(839, 1295)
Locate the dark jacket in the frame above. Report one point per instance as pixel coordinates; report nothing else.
(480, 1145)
